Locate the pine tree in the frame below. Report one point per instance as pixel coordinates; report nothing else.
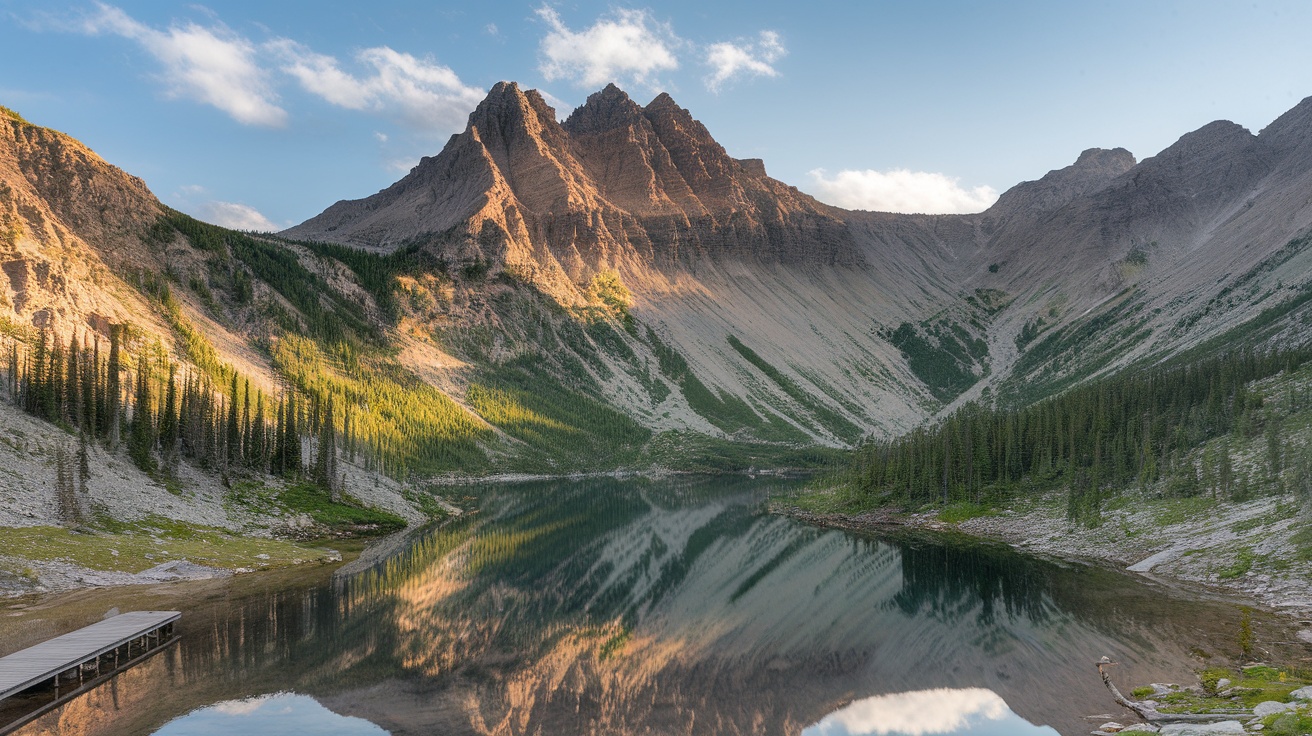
(72, 399)
(92, 390)
(232, 433)
(141, 441)
(113, 391)
(246, 429)
(169, 420)
(256, 437)
(325, 462)
(37, 375)
(292, 447)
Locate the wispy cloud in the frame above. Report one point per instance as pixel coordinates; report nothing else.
(236, 216)
(900, 190)
(627, 45)
(418, 92)
(212, 65)
(729, 60)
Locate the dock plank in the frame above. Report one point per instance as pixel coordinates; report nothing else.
(25, 668)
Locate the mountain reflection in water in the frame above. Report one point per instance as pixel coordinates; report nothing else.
(672, 606)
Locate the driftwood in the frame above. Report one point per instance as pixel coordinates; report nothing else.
(1147, 712)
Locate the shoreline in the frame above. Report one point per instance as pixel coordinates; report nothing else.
(1241, 551)
(265, 539)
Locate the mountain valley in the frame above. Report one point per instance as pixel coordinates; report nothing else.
(613, 292)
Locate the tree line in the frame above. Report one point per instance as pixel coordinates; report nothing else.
(1137, 427)
(163, 414)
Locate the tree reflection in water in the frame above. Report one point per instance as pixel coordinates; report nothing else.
(643, 606)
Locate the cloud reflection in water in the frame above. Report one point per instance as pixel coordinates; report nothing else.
(943, 711)
(268, 715)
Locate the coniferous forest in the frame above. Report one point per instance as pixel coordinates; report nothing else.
(162, 416)
(1138, 428)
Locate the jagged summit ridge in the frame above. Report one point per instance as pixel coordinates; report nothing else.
(615, 183)
(1094, 169)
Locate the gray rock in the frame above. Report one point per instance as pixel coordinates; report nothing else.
(1222, 684)
(1224, 728)
(1111, 727)
(1303, 693)
(1140, 728)
(1269, 707)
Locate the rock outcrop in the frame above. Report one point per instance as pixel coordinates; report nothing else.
(616, 185)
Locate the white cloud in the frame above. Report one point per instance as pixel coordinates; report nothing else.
(237, 216)
(380, 136)
(419, 92)
(900, 190)
(918, 713)
(729, 60)
(491, 29)
(627, 45)
(211, 65)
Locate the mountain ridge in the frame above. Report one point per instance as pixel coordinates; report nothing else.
(626, 256)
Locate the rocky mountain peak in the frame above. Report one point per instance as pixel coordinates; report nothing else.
(1216, 135)
(509, 112)
(1114, 160)
(1187, 169)
(608, 109)
(1094, 169)
(1291, 130)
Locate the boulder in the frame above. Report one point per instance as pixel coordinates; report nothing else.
(1224, 728)
(1269, 707)
(1303, 693)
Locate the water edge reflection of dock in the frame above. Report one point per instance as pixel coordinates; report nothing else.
(75, 662)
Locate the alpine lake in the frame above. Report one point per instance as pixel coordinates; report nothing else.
(674, 606)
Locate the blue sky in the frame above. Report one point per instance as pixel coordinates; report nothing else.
(259, 114)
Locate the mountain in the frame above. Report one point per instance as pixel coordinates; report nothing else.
(906, 313)
(617, 290)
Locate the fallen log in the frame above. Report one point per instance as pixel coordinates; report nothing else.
(1149, 713)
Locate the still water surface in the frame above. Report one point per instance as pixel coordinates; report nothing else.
(654, 607)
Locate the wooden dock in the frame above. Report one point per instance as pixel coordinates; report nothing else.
(72, 660)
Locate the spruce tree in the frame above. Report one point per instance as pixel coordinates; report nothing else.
(141, 440)
(325, 461)
(72, 398)
(232, 432)
(113, 391)
(169, 420)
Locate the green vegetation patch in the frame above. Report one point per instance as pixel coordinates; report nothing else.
(831, 420)
(343, 517)
(327, 314)
(955, 513)
(401, 418)
(1248, 687)
(992, 301)
(1244, 559)
(727, 412)
(1075, 352)
(133, 548)
(940, 357)
(557, 423)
